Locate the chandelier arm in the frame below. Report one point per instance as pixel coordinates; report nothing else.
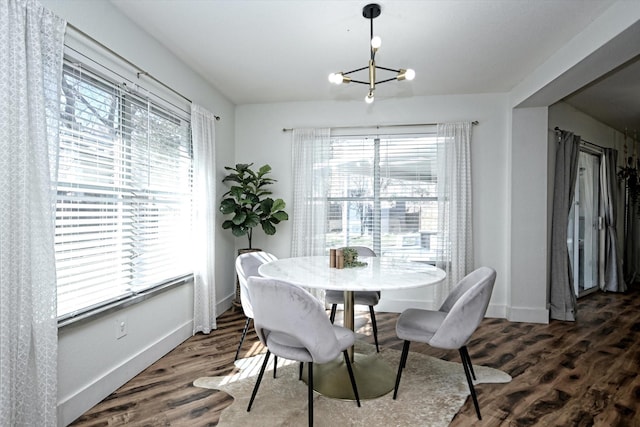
(386, 80)
(355, 71)
(359, 81)
(387, 69)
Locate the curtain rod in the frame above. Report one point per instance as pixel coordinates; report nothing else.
(139, 71)
(475, 122)
(584, 141)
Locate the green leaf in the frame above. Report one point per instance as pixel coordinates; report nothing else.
(227, 224)
(239, 218)
(268, 228)
(265, 206)
(278, 205)
(227, 206)
(251, 199)
(233, 178)
(280, 216)
(265, 169)
(237, 192)
(243, 167)
(252, 220)
(239, 231)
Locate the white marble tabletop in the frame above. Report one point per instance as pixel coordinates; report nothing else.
(379, 274)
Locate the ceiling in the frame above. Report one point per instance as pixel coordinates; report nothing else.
(264, 51)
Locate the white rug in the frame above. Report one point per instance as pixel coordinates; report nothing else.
(431, 393)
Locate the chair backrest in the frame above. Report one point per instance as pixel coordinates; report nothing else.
(247, 265)
(284, 308)
(463, 286)
(363, 250)
(467, 312)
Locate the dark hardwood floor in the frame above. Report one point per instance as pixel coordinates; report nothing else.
(564, 373)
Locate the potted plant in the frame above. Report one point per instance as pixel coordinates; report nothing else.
(246, 200)
(247, 203)
(629, 174)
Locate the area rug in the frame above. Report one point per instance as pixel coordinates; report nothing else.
(431, 393)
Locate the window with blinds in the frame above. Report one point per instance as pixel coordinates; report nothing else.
(123, 214)
(383, 194)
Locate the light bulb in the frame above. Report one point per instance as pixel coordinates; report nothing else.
(410, 74)
(376, 42)
(369, 98)
(335, 78)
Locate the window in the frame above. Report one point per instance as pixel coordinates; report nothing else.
(123, 214)
(382, 193)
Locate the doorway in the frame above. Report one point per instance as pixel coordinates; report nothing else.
(585, 230)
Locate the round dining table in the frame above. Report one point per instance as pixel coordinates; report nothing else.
(374, 376)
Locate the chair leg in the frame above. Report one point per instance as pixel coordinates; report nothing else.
(467, 372)
(401, 365)
(255, 388)
(375, 327)
(310, 393)
(244, 333)
(275, 365)
(352, 377)
(466, 354)
(332, 317)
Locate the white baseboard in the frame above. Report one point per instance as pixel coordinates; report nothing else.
(73, 406)
(528, 314)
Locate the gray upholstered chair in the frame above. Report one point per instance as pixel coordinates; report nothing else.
(247, 265)
(293, 324)
(369, 298)
(452, 325)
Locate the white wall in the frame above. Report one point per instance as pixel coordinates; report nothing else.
(260, 139)
(92, 363)
(529, 212)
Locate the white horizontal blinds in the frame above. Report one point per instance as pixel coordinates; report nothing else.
(383, 194)
(161, 193)
(124, 181)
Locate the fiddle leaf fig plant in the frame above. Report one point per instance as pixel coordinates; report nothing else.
(246, 200)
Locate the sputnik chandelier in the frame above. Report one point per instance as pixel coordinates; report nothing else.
(370, 12)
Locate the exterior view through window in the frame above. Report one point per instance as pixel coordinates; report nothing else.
(383, 194)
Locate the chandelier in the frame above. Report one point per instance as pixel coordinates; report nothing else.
(370, 12)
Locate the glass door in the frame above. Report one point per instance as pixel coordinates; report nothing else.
(586, 225)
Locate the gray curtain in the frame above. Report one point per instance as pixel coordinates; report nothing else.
(563, 297)
(631, 239)
(613, 276)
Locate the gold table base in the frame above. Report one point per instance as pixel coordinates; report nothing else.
(374, 377)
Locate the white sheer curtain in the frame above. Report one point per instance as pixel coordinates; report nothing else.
(31, 70)
(310, 150)
(310, 185)
(204, 211)
(455, 230)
